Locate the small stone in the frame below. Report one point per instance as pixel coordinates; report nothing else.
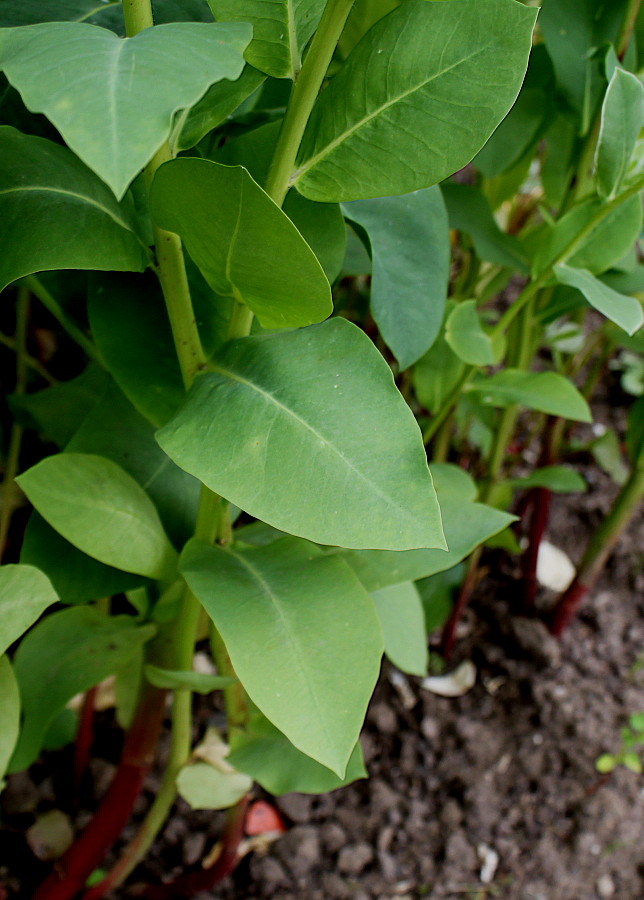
(354, 858)
(430, 728)
(535, 640)
(451, 815)
(194, 847)
(333, 836)
(270, 873)
(605, 886)
(384, 718)
(300, 849)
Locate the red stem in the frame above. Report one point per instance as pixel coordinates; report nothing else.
(84, 736)
(540, 500)
(200, 880)
(567, 607)
(74, 868)
(448, 636)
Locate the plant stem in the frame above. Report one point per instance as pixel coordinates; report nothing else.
(303, 96)
(30, 361)
(38, 289)
(15, 441)
(599, 548)
(627, 27)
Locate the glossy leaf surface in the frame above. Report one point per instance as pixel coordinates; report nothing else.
(307, 443)
(418, 97)
(401, 615)
(270, 758)
(111, 98)
(250, 250)
(314, 622)
(102, 510)
(68, 652)
(547, 392)
(56, 214)
(25, 593)
(410, 251)
(281, 29)
(619, 308)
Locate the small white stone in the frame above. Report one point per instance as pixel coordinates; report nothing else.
(554, 568)
(605, 886)
(489, 863)
(455, 684)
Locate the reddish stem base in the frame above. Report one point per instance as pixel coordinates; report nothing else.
(567, 607)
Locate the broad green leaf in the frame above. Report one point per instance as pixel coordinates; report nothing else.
(603, 247)
(470, 212)
(101, 510)
(58, 411)
(111, 98)
(206, 787)
(466, 336)
(402, 619)
(250, 250)
(114, 429)
(313, 438)
(467, 524)
(419, 96)
(68, 652)
(176, 680)
(621, 121)
(319, 636)
(560, 159)
(623, 310)
(56, 214)
(546, 392)
(560, 479)
(31, 12)
(219, 101)
(364, 14)
(25, 593)
(75, 576)
(9, 714)
(268, 756)
(410, 252)
(436, 594)
(572, 29)
(281, 30)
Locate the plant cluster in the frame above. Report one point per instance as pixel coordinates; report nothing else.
(266, 257)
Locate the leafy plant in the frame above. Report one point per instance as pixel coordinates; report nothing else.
(632, 736)
(257, 326)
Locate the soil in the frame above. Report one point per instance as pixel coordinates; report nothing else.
(491, 795)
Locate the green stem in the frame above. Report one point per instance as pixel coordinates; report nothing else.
(448, 404)
(304, 95)
(627, 27)
(29, 360)
(137, 16)
(50, 303)
(15, 441)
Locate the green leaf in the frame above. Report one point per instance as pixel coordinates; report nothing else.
(320, 638)
(605, 763)
(114, 429)
(205, 787)
(111, 98)
(410, 251)
(9, 714)
(419, 96)
(25, 593)
(467, 524)
(546, 392)
(219, 101)
(559, 479)
(402, 619)
(30, 12)
(324, 400)
(607, 454)
(572, 29)
(101, 510)
(58, 411)
(632, 761)
(250, 250)
(281, 30)
(268, 756)
(176, 680)
(465, 335)
(622, 310)
(621, 121)
(606, 244)
(470, 212)
(68, 652)
(56, 214)
(75, 576)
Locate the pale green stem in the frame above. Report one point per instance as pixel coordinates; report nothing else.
(50, 303)
(29, 360)
(304, 95)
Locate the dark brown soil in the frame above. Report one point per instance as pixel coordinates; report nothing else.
(508, 769)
